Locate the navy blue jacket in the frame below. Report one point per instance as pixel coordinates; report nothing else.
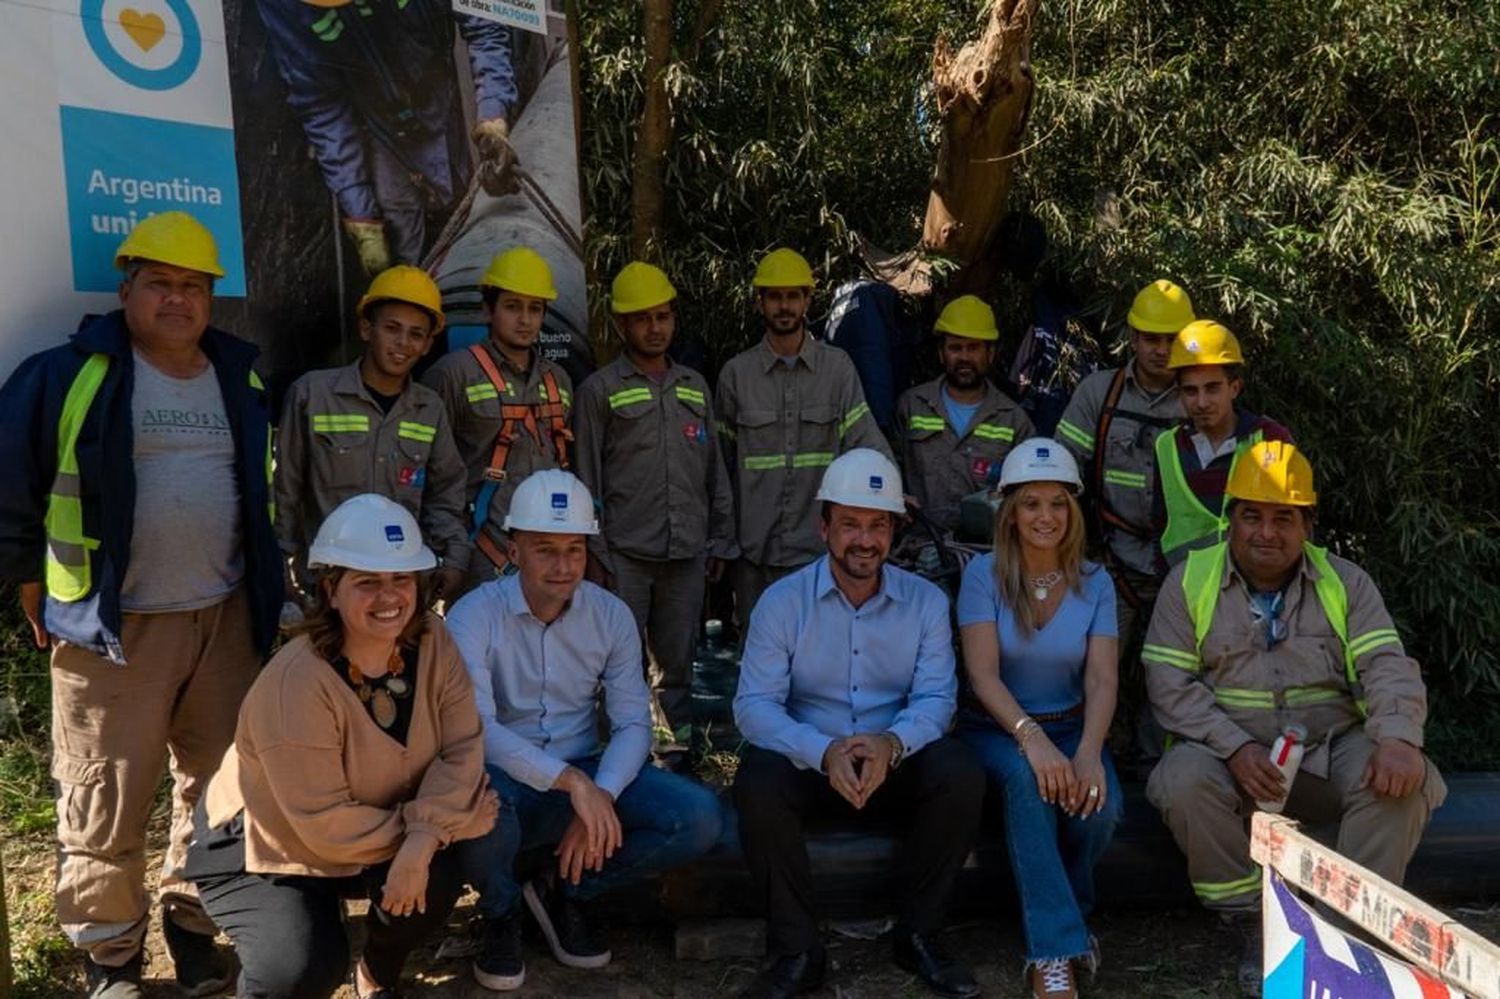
(30, 404)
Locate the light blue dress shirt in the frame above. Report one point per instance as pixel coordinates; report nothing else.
(817, 669)
(537, 684)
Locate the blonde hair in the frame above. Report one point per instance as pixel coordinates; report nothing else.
(1010, 570)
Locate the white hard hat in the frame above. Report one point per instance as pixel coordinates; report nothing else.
(372, 534)
(865, 478)
(1040, 459)
(552, 501)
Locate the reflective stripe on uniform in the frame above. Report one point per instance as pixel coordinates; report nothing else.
(1222, 891)
(69, 575)
(916, 422)
(1188, 520)
(340, 423)
(851, 418)
(1372, 640)
(1268, 700)
(994, 432)
(480, 391)
(328, 27)
(626, 397)
(688, 394)
(422, 432)
(541, 390)
(1072, 433)
(1130, 480)
(812, 459)
(1201, 581)
(1167, 656)
(761, 462)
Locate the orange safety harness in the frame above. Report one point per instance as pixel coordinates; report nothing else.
(526, 415)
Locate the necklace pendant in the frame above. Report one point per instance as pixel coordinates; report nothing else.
(383, 707)
(397, 686)
(1040, 592)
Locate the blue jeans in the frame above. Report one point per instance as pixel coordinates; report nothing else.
(1052, 854)
(667, 820)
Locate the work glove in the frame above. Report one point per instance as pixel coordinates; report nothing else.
(492, 138)
(368, 236)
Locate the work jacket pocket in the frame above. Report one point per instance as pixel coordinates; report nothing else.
(819, 430)
(341, 460)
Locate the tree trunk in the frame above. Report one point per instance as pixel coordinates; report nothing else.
(983, 100)
(647, 197)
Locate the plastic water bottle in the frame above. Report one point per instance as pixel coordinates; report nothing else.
(1286, 756)
(716, 673)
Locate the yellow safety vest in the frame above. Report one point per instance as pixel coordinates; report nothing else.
(69, 572)
(1201, 586)
(1189, 522)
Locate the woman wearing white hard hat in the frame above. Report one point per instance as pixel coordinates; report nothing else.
(1038, 630)
(358, 760)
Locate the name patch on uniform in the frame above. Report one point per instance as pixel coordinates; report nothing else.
(394, 534)
(416, 478)
(695, 432)
(559, 506)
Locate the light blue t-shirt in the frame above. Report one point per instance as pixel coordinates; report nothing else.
(1044, 672)
(960, 414)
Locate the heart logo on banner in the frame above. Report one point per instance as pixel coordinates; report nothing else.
(146, 30)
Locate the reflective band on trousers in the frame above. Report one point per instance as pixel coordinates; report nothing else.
(1222, 891)
(1189, 522)
(1201, 584)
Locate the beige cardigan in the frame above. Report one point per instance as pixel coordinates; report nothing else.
(325, 791)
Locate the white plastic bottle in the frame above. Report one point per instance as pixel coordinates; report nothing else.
(1286, 756)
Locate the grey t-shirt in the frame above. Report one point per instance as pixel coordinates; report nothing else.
(185, 550)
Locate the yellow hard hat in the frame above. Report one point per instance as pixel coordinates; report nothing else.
(968, 316)
(638, 287)
(1204, 341)
(174, 238)
(521, 270)
(783, 268)
(1272, 472)
(404, 283)
(1160, 307)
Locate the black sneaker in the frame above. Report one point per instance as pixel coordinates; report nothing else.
(498, 964)
(573, 932)
(202, 969)
(123, 982)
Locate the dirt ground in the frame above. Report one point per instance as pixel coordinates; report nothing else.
(1178, 954)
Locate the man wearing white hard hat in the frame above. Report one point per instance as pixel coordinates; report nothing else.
(541, 645)
(847, 687)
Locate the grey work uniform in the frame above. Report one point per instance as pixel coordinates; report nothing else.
(336, 442)
(648, 451)
(782, 422)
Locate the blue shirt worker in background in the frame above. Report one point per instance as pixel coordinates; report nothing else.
(541, 645)
(846, 687)
(1038, 628)
(376, 89)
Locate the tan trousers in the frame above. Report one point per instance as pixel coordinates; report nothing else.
(1209, 816)
(1146, 735)
(666, 599)
(113, 727)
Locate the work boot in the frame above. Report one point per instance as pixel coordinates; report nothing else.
(790, 975)
(498, 963)
(1052, 979)
(202, 970)
(1249, 974)
(922, 955)
(571, 928)
(123, 982)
